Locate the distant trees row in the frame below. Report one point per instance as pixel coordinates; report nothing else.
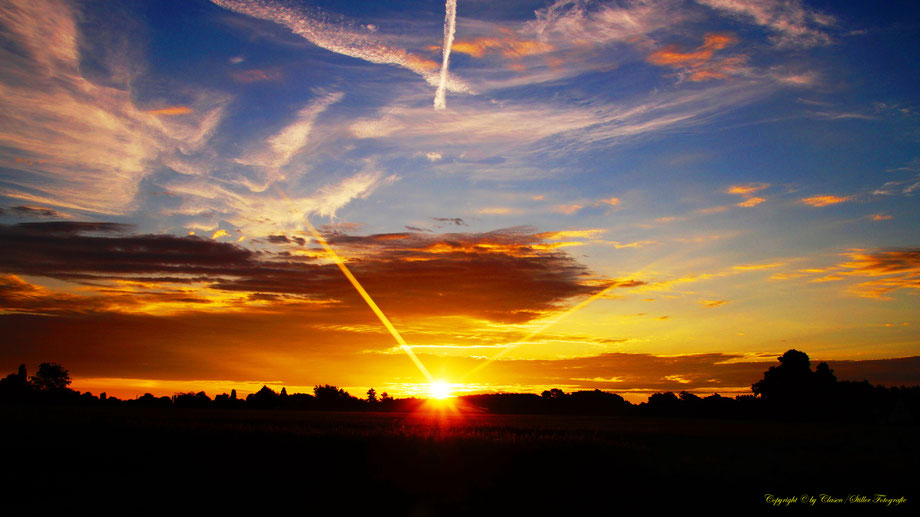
(790, 390)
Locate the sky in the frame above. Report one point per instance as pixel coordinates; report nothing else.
(633, 196)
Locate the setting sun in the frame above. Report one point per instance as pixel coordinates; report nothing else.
(439, 390)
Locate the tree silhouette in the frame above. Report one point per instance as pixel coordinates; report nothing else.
(787, 381)
(50, 377)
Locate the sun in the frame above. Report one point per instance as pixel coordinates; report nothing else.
(439, 390)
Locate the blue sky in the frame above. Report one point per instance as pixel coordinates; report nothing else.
(752, 167)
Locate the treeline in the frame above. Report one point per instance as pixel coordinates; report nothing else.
(789, 391)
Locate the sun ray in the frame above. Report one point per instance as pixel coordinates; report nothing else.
(361, 291)
(575, 308)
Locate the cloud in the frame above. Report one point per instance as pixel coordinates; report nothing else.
(891, 270)
(342, 38)
(612, 201)
(37, 211)
(290, 140)
(585, 23)
(496, 211)
(747, 189)
(868, 273)
(509, 129)
(80, 133)
(509, 45)
(568, 209)
(753, 201)
(712, 303)
(450, 221)
(255, 75)
(699, 64)
(572, 234)
(19, 296)
(820, 201)
(508, 275)
(792, 24)
(284, 239)
(173, 110)
(881, 217)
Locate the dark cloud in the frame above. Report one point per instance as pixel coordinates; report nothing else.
(284, 239)
(455, 221)
(36, 211)
(417, 229)
(889, 270)
(507, 275)
(66, 227)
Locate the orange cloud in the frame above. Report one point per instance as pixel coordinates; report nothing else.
(509, 46)
(174, 110)
(712, 303)
(891, 270)
(757, 267)
(495, 211)
(754, 201)
(571, 234)
(567, 209)
(819, 201)
(747, 189)
(699, 63)
(880, 217)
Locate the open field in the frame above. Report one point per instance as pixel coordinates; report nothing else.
(442, 463)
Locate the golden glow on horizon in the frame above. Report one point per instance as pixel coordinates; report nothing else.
(439, 390)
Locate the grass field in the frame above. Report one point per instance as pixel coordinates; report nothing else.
(136, 461)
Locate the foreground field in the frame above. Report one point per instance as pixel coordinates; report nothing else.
(442, 463)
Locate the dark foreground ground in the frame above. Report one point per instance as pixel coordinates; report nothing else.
(162, 461)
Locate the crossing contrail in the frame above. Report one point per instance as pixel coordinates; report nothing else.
(450, 26)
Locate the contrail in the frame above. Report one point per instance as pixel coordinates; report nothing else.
(358, 287)
(450, 27)
(584, 303)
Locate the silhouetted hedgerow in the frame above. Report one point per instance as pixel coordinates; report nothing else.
(788, 391)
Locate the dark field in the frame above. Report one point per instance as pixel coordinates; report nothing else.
(154, 461)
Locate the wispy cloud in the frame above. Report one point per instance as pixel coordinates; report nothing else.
(581, 22)
(492, 128)
(79, 134)
(700, 64)
(753, 201)
(282, 146)
(344, 38)
(827, 200)
(747, 189)
(791, 23)
(891, 269)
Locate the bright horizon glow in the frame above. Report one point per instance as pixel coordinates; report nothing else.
(439, 390)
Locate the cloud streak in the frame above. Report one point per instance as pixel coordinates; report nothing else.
(339, 38)
(791, 23)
